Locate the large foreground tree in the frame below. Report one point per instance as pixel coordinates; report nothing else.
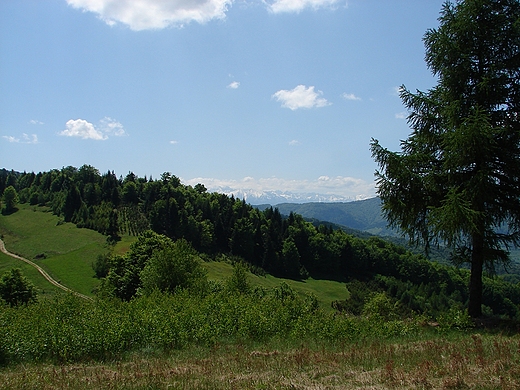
(456, 180)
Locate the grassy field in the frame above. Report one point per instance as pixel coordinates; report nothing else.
(462, 361)
(68, 251)
(123, 245)
(45, 289)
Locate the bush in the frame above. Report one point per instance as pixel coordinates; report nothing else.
(380, 306)
(15, 289)
(456, 318)
(176, 266)
(71, 329)
(102, 265)
(238, 282)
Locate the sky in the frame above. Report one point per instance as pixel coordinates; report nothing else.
(268, 95)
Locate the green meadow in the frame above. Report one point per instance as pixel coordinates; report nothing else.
(63, 250)
(44, 288)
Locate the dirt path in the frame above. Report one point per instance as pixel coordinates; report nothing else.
(42, 271)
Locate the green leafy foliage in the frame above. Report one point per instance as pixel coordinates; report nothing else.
(16, 289)
(124, 272)
(380, 307)
(102, 265)
(10, 199)
(174, 267)
(70, 329)
(238, 281)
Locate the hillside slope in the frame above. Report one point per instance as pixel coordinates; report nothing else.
(362, 215)
(365, 215)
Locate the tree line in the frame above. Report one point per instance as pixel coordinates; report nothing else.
(213, 224)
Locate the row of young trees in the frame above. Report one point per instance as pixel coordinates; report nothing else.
(164, 210)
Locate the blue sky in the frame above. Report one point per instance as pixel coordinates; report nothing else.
(264, 95)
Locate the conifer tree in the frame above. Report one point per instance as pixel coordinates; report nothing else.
(456, 179)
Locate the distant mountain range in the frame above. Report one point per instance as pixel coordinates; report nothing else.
(273, 197)
(364, 215)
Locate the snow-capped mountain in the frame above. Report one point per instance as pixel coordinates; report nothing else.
(256, 197)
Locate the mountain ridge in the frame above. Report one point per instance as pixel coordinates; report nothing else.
(364, 215)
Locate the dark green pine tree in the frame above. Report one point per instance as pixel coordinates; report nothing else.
(456, 180)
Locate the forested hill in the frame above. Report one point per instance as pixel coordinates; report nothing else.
(216, 225)
(366, 216)
(362, 215)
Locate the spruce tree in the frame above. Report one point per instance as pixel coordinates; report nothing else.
(456, 180)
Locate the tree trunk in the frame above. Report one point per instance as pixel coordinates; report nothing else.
(475, 282)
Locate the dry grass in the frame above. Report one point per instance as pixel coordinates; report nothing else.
(467, 362)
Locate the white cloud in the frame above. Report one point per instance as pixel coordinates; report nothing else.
(341, 186)
(294, 142)
(86, 130)
(35, 122)
(234, 85)
(173, 142)
(300, 97)
(400, 115)
(10, 138)
(350, 96)
(154, 14)
(26, 139)
(111, 126)
(277, 6)
(30, 139)
(141, 15)
(83, 129)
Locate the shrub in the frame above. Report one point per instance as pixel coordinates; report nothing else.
(456, 318)
(102, 265)
(238, 282)
(15, 289)
(380, 306)
(176, 266)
